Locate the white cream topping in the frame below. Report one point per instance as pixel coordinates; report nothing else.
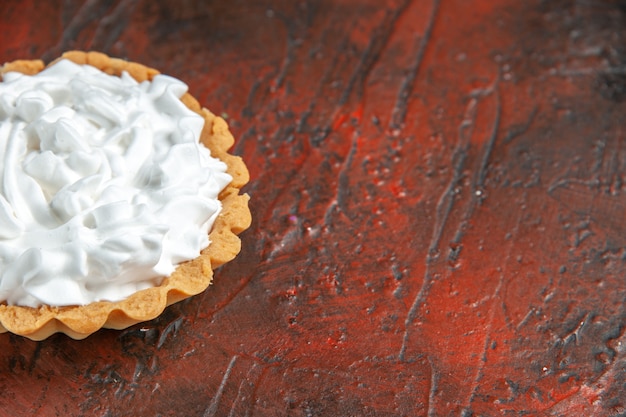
(104, 186)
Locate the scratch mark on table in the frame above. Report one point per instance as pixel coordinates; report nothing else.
(324, 80)
(34, 358)
(85, 15)
(432, 390)
(211, 411)
(478, 182)
(342, 191)
(495, 296)
(575, 333)
(531, 312)
(399, 111)
(247, 391)
(584, 72)
(484, 163)
(203, 312)
(171, 328)
(111, 26)
(444, 207)
(293, 41)
(371, 54)
(519, 129)
(248, 110)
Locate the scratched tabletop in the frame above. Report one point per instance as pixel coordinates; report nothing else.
(438, 199)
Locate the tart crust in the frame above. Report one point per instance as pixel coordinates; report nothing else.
(189, 278)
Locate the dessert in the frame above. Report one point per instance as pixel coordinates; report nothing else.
(112, 177)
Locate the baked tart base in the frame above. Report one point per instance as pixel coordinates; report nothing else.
(189, 278)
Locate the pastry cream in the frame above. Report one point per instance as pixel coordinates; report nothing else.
(104, 185)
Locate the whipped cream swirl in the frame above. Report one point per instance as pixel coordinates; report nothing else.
(104, 185)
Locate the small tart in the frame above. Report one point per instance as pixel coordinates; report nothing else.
(189, 278)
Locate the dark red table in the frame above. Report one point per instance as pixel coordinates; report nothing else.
(438, 193)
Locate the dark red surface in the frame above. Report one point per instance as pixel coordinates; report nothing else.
(438, 197)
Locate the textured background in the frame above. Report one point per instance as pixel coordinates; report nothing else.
(438, 197)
